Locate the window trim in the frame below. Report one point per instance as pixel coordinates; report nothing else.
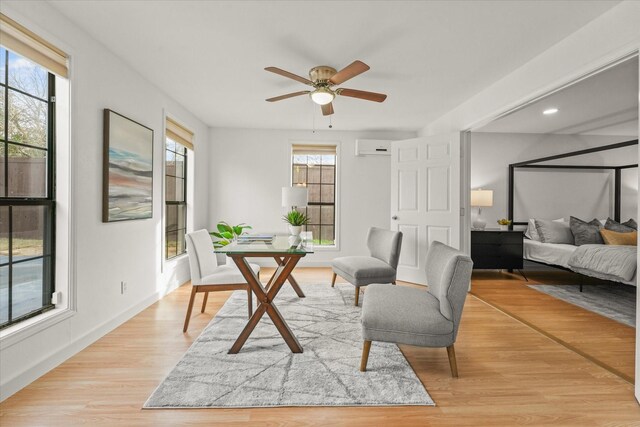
(168, 263)
(49, 200)
(338, 218)
(66, 274)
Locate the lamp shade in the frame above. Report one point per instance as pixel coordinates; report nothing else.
(482, 198)
(294, 196)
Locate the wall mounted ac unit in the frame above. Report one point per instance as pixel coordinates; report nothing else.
(373, 147)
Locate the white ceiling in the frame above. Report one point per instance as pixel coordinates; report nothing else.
(603, 104)
(427, 56)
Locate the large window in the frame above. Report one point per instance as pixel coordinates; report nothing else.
(179, 141)
(314, 166)
(175, 198)
(27, 193)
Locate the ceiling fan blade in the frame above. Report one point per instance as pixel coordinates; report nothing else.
(289, 95)
(349, 72)
(327, 109)
(289, 75)
(361, 94)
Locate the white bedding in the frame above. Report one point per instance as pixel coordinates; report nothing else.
(559, 254)
(549, 253)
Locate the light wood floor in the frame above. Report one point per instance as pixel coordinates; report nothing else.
(606, 342)
(509, 375)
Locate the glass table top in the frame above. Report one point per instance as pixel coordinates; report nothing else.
(281, 244)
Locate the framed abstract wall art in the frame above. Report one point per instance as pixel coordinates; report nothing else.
(127, 192)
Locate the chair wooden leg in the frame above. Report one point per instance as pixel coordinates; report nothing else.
(451, 352)
(204, 301)
(357, 295)
(333, 280)
(365, 356)
(191, 300)
(250, 302)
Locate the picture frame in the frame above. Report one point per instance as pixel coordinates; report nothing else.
(127, 190)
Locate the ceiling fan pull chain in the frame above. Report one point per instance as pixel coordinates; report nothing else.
(330, 123)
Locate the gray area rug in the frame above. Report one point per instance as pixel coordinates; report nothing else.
(617, 302)
(265, 373)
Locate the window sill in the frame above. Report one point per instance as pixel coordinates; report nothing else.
(23, 330)
(176, 258)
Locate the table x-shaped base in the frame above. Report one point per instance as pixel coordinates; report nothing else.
(265, 297)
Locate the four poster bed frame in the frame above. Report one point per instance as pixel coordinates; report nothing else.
(535, 165)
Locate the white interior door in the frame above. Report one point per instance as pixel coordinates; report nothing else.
(425, 198)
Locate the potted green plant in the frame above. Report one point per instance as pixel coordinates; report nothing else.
(227, 233)
(504, 223)
(295, 220)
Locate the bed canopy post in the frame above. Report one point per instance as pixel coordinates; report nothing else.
(510, 207)
(617, 189)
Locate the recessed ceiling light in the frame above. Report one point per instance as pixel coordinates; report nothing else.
(550, 111)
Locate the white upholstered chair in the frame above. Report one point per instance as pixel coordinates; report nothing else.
(207, 276)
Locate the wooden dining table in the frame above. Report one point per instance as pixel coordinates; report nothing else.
(286, 251)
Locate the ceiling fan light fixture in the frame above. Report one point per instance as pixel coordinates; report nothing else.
(322, 96)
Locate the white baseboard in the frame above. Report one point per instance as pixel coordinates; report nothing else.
(32, 373)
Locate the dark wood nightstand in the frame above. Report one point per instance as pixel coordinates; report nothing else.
(497, 249)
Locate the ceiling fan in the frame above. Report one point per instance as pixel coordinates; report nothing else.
(322, 79)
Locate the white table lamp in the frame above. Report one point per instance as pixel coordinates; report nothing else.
(481, 199)
(294, 197)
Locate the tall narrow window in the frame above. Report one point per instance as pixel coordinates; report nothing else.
(178, 141)
(314, 166)
(27, 193)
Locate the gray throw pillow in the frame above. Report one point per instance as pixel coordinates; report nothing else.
(585, 233)
(626, 227)
(554, 232)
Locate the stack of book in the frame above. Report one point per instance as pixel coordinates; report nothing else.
(253, 238)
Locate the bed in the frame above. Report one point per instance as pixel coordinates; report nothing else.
(608, 262)
(613, 263)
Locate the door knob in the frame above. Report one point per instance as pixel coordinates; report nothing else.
(395, 217)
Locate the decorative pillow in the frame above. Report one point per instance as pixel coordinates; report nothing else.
(532, 233)
(615, 238)
(625, 227)
(585, 233)
(554, 232)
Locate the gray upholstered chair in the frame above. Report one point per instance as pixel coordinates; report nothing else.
(380, 267)
(207, 276)
(425, 318)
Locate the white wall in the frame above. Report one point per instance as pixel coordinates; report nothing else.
(250, 166)
(105, 254)
(605, 39)
(585, 194)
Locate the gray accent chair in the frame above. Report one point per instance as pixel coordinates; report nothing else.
(380, 267)
(425, 318)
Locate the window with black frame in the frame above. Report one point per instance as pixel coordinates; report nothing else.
(27, 193)
(314, 166)
(175, 198)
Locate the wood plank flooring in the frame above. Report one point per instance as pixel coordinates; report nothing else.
(509, 375)
(605, 341)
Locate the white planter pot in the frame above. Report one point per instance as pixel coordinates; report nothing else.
(295, 230)
(504, 227)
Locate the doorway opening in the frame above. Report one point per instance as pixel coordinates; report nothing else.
(561, 172)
